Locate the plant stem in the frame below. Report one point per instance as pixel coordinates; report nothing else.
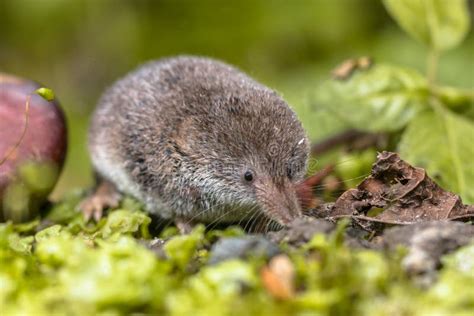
(453, 97)
(432, 66)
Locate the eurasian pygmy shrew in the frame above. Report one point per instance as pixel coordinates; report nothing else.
(197, 140)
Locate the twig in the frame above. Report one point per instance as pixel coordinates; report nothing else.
(319, 176)
(353, 138)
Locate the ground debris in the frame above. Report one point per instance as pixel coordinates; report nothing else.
(278, 277)
(156, 246)
(301, 230)
(427, 243)
(242, 248)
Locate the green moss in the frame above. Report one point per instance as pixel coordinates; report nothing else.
(80, 269)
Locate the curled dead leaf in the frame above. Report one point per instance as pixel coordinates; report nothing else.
(347, 67)
(397, 193)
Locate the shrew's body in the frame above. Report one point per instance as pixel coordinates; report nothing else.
(196, 139)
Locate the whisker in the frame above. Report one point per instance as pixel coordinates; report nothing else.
(250, 221)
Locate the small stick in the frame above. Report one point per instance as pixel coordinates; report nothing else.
(345, 137)
(355, 139)
(319, 176)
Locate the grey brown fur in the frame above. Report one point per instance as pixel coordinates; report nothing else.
(180, 133)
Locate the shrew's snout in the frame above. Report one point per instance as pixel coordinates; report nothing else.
(279, 201)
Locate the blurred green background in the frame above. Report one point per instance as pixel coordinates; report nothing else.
(79, 47)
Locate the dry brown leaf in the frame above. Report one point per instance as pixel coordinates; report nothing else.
(401, 194)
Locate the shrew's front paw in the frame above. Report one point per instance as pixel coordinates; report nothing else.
(105, 196)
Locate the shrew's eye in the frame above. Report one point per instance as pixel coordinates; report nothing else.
(248, 176)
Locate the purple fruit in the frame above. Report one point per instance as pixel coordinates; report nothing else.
(33, 142)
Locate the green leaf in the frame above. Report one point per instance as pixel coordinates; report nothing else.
(383, 98)
(45, 93)
(442, 143)
(440, 24)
